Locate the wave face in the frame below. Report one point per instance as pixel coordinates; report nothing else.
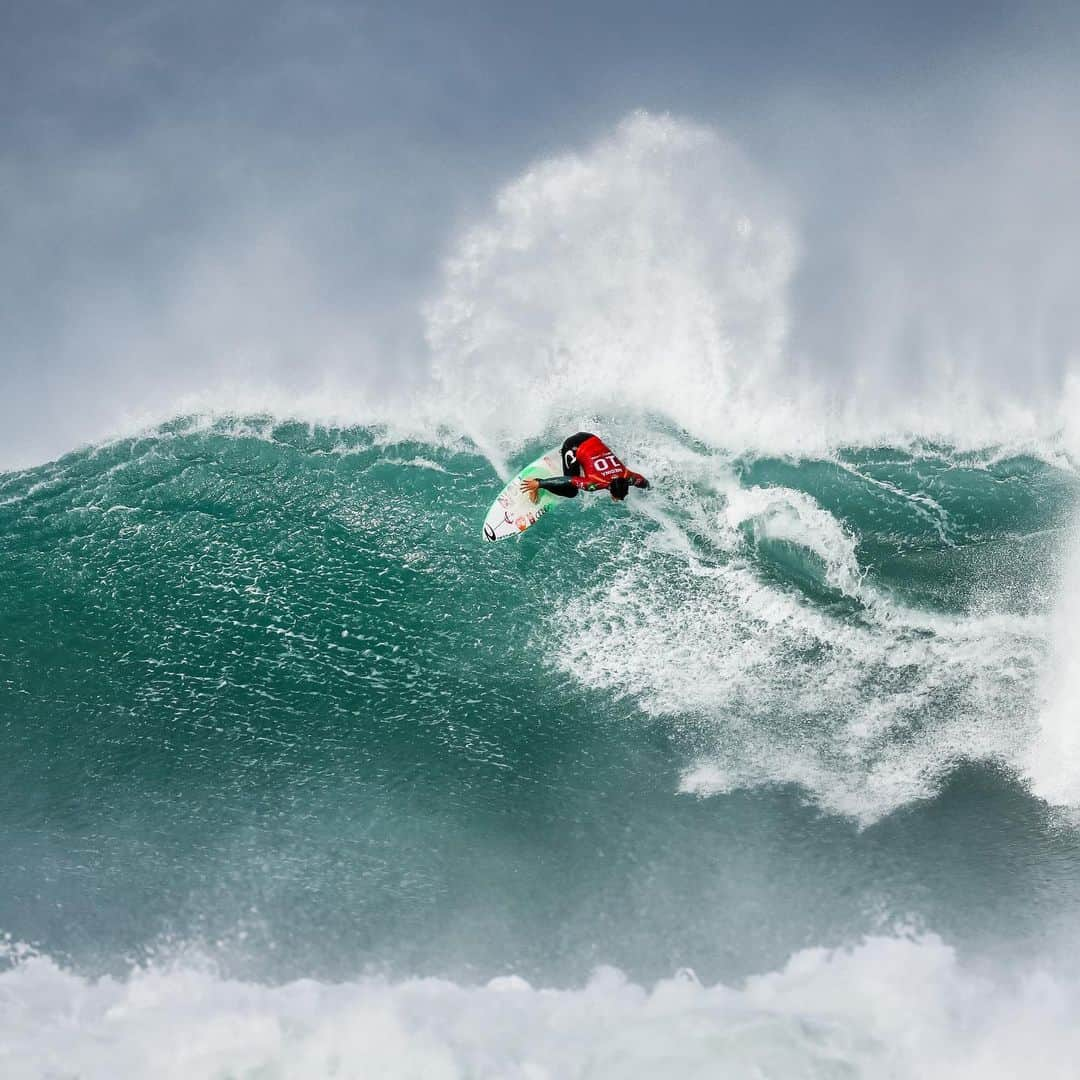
(268, 698)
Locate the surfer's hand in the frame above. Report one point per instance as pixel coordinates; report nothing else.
(531, 488)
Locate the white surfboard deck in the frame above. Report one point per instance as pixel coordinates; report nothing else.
(513, 511)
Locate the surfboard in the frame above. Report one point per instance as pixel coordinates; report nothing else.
(513, 511)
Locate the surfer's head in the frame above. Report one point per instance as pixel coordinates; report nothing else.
(619, 487)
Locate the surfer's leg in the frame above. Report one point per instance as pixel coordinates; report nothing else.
(570, 466)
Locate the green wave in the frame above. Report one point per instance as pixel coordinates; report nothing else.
(263, 683)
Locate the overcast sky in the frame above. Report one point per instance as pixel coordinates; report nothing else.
(258, 190)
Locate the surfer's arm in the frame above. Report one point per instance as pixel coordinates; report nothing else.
(636, 479)
(559, 485)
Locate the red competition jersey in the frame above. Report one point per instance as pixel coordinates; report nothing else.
(599, 466)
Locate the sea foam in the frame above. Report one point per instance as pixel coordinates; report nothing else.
(892, 1006)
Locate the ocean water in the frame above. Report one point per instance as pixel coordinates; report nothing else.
(771, 771)
(299, 771)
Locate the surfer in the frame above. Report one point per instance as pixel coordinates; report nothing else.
(588, 465)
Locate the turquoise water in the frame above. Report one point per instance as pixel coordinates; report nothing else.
(266, 693)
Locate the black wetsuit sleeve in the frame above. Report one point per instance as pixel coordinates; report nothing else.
(559, 485)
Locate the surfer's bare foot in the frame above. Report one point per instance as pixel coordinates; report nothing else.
(531, 488)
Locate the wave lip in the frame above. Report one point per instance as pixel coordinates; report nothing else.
(794, 518)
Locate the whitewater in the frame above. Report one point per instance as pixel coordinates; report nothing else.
(769, 772)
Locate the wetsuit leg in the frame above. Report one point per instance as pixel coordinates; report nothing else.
(570, 466)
